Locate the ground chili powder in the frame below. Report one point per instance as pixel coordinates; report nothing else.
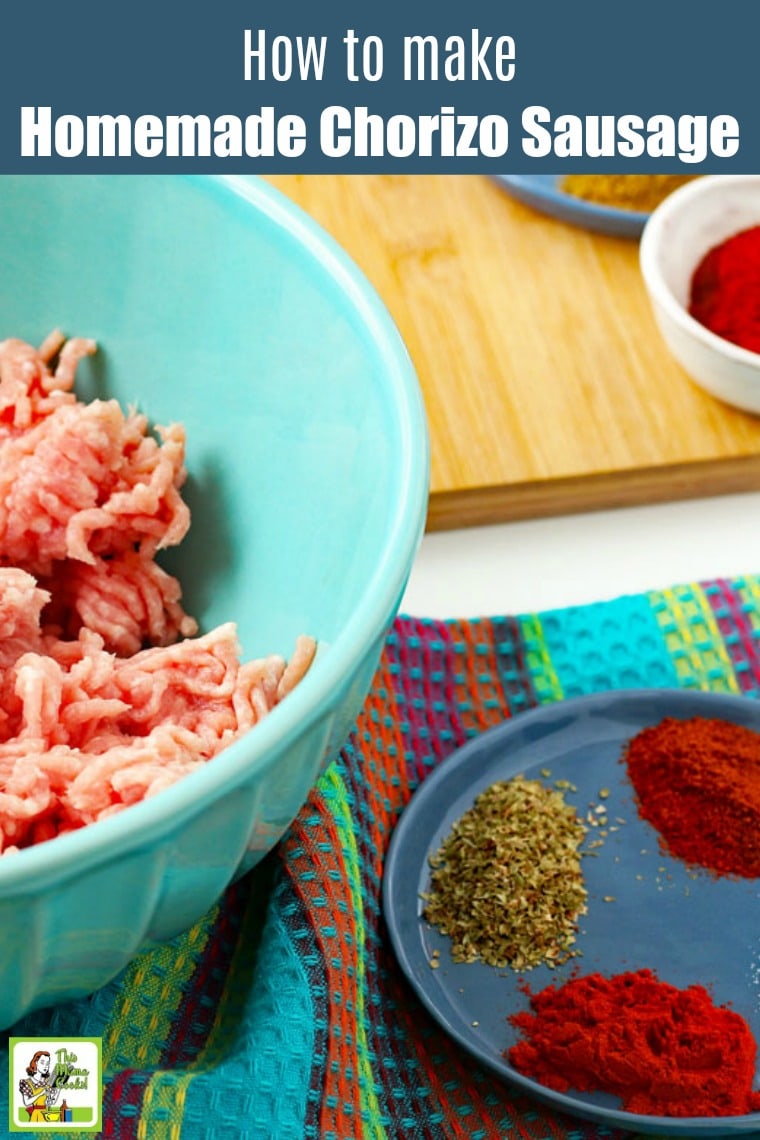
(663, 1051)
(725, 289)
(698, 783)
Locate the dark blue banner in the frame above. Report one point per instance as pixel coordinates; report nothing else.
(479, 87)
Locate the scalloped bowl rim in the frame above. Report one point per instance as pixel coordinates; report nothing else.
(143, 823)
(649, 260)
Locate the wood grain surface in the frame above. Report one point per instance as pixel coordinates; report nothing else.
(547, 386)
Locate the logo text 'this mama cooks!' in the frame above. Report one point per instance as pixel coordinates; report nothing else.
(55, 1083)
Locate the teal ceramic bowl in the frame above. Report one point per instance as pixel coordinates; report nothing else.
(217, 303)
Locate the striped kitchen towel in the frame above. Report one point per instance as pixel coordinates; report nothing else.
(283, 1012)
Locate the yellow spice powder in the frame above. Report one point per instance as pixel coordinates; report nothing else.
(638, 192)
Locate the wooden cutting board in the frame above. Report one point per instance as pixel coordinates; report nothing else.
(548, 389)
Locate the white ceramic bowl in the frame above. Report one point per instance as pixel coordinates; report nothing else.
(691, 221)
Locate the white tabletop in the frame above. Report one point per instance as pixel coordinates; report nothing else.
(527, 566)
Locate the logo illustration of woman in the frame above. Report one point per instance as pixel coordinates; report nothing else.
(39, 1092)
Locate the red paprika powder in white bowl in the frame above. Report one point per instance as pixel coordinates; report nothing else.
(700, 260)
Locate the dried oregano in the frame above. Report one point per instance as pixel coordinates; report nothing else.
(507, 885)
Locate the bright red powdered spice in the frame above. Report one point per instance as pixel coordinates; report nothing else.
(725, 289)
(663, 1051)
(698, 783)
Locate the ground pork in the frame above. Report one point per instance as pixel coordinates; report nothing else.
(128, 599)
(88, 486)
(106, 695)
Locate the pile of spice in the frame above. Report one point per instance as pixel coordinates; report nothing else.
(698, 783)
(638, 192)
(725, 290)
(663, 1051)
(507, 885)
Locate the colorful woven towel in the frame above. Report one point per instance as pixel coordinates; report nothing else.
(283, 1012)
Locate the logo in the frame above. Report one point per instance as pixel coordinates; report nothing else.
(55, 1083)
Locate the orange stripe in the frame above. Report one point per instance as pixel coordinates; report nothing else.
(385, 798)
(437, 1074)
(381, 788)
(467, 705)
(497, 711)
(478, 717)
(329, 880)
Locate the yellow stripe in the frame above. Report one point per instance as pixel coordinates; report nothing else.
(546, 683)
(693, 639)
(167, 1098)
(163, 1105)
(336, 795)
(150, 993)
(748, 589)
(166, 1093)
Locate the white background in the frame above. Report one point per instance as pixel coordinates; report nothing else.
(526, 566)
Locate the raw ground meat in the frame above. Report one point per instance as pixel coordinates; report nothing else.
(29, 390)
(87, 497)
(100, 704)
(128, 599)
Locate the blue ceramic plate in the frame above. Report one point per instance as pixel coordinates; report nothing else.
(689, 928)
(542, 192)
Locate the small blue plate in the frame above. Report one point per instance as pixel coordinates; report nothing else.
(689, 927)
(542, 192)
